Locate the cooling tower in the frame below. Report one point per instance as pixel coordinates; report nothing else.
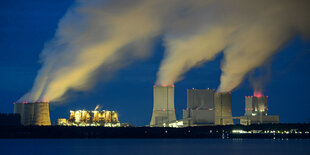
(41, 115)
(163, 108)
(36, 113)
(27, 117)
(223, 115)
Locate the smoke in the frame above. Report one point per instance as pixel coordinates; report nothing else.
(97, 33)
(247, 31)
(93, 34)
(259, 78)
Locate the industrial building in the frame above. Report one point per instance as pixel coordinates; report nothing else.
(256, 111)
(163, 108)
(200, 107)
(223, 114)
(91, 118)
(33, 113)
(205, 107)
(256, 105)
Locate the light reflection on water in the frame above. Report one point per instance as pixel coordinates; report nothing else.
(153, 146)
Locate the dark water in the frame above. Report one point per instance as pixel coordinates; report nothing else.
(153, 146)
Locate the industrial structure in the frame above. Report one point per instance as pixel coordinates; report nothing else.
(223, 114)
(200, 107)
(205, 107)
(163, 108)
(91, 118)
(256, 105)
(256, 111)
(33, 113)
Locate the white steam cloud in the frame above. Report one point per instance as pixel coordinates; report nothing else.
(247, 31)
(92, 34)
(96, 33)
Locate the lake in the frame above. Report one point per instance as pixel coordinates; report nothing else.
(154, 146)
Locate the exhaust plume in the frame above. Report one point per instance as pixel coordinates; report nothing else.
(248, 32)
(96, 33)
(92, 34)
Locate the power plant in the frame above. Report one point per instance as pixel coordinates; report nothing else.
(163, 108)
(205, 107)
(33, 113)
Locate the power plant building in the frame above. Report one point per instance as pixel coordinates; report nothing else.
(200, 107)
(33, 113)
(91, 118)
(205, 107)
(256, 105)
(256, 111)
(163, 108)
(223, 114)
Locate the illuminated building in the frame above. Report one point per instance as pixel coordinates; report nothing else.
(200, 107)
(33, 113)
(91, 118)
(223, 114)
(256, 111)
(163, 108)
(256, 105)
(62, 121)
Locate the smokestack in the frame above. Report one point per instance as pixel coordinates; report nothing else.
(163, 108)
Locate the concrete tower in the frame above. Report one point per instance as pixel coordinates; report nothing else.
(41, 115)
(200, 107)
(27, 117)
(163, 108)
(223, 115)
(36, 113)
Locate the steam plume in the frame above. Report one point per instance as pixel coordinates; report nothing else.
(92, 34)
(96, 33)
(248, 32)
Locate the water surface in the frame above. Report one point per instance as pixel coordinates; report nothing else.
(154, 146)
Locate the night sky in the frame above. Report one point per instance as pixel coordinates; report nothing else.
(25, 26)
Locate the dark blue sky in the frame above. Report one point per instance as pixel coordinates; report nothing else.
(26, 25)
